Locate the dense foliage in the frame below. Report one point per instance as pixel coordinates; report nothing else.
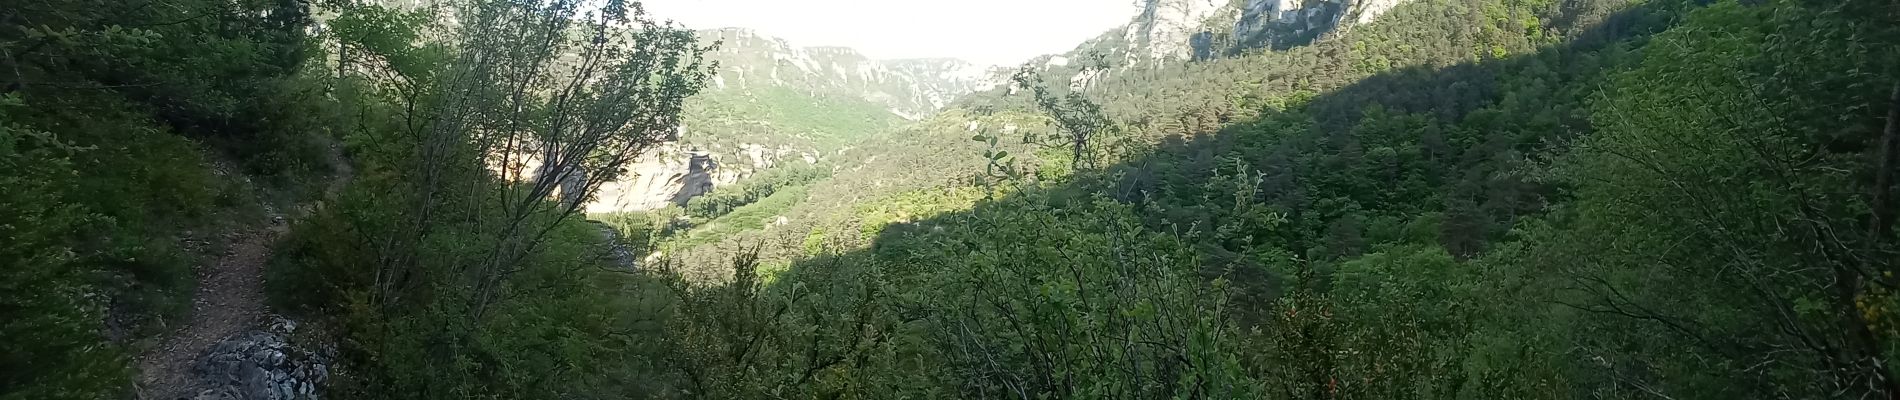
(111, 117)
(1461, 199)
(1465, 199)
(456, 266)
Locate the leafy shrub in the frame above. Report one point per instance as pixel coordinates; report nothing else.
(754, 189)
(51, 310)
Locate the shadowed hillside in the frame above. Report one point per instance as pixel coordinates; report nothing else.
(1250, 199)
(1505, 228)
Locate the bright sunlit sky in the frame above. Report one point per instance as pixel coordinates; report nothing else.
(995, 32)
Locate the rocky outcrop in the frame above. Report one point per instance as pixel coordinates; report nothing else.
(263, 365)
(672, 174)
(1166, 29)
(1174, 30)
(655, 179)
(698, 179)
(1282, 24)
(938, 81)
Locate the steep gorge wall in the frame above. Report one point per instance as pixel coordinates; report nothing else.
(1173, 30)
(1281, 24)
(672, 174)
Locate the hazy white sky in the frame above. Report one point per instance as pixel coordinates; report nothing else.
(1001, 32)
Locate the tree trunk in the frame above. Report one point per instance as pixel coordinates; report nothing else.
(1882, 200)
(1879, 229)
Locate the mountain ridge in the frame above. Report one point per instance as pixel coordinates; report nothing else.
(908, 87)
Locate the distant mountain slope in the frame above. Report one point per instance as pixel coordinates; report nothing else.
(1154, 86)
(911, 88)
(1179, 30)
(772, 103)
(809, 94)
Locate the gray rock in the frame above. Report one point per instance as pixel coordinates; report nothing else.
(275, 358)
(262, 365)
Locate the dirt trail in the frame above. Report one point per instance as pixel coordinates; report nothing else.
(230, 296)
(230, 299)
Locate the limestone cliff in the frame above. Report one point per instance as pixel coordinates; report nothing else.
(672, 174)
(1167, 29)
(1174, 30)
(1281, 24)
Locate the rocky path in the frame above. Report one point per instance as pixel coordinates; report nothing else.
(229, 300)
(231, 335)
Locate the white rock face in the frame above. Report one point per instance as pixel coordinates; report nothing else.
(933, 83)
(1170, 30)
(1372, 9)
(651, 181)
(666, 174)
(671, 175)
(1285, 23)
(1165, 27)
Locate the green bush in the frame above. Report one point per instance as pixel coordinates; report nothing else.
(51, 309)
(753, 189)
(754, 216)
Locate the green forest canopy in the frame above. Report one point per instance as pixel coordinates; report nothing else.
(1461, 199)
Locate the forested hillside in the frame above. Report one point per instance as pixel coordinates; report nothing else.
(136, 141)
(1352, 199)
(1457, 199)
